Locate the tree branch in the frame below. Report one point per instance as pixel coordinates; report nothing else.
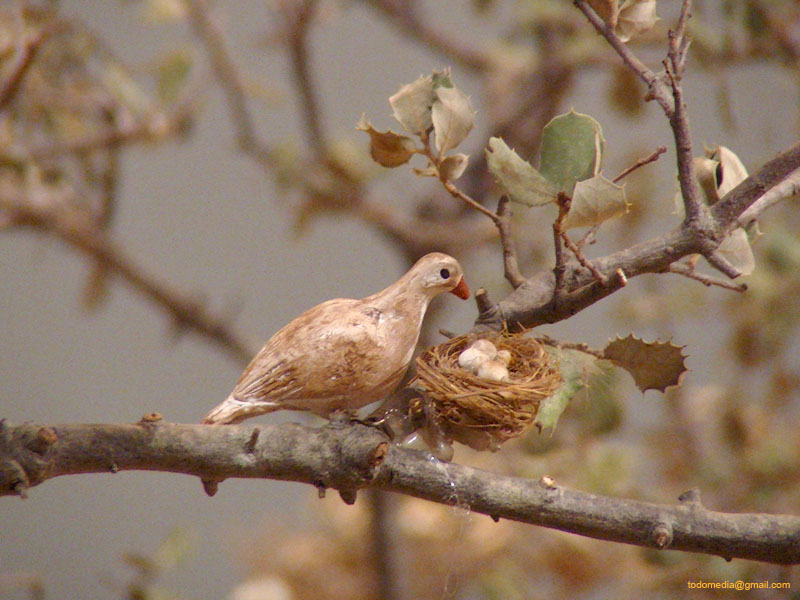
(354, 457)
(82, 232)
(534, 302)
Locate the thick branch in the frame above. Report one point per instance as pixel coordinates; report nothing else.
(352, 457)
(534, 302)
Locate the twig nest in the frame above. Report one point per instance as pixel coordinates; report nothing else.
(486, 391)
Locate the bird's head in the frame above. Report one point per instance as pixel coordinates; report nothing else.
(439, 273)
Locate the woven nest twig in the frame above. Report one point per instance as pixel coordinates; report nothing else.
(483, 413)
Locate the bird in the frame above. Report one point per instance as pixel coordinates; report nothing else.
(342, 354)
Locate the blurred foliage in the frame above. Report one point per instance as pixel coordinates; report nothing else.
(70, 103)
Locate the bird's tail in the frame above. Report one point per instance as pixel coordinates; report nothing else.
(233, 411)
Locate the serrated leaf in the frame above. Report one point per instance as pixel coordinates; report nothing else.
(653, 365)
(516, 177)
(452, 167)
(452, 116)
(593, 201)
(172, 74)
(572, 149)
(411, 105)
(387, 148)
(550, 408)
(635, 17)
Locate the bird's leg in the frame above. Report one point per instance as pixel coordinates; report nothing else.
(342, 417)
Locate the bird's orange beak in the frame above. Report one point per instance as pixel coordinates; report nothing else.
(461, 290)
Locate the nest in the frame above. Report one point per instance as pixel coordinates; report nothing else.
(479, 412)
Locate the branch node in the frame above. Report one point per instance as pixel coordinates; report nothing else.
(662, 534)
(150, 419)
(45, 437)
(691, 496)
(548, 482)
(378, 455)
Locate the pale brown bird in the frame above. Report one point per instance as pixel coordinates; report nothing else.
(342, 354)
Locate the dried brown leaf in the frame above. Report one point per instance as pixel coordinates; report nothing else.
(653, 365)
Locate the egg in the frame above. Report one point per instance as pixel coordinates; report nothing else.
(471, 359)
(485, 346)
(493, 370)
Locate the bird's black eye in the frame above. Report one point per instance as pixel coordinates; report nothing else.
(445, 273)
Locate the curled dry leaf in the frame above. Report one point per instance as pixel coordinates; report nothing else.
(387, 148)
(452, 116)
(411, 105)
(452, 167)
(635, 17)
(653, 365)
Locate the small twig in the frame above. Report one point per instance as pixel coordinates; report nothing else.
(510, 261)
(297, 20)
(580, 347)
(226, 72)
(457, 193)
(707, 280)
(563, 201)
(25, 53)
(721, 264)
(404, 16)
(589, 236)
(80, 231)
(657, 90)
(640, 163)
(786, 189)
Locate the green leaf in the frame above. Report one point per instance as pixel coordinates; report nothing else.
(387, 148)
(516, 177)
(551, 408)
(572, 149)
(452, 116)
(411, 105)
(593, 201)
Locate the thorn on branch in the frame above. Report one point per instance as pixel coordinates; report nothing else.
(348, 496)
(250, 446)
(211, 486)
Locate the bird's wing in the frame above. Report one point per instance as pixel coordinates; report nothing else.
(334, 349)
